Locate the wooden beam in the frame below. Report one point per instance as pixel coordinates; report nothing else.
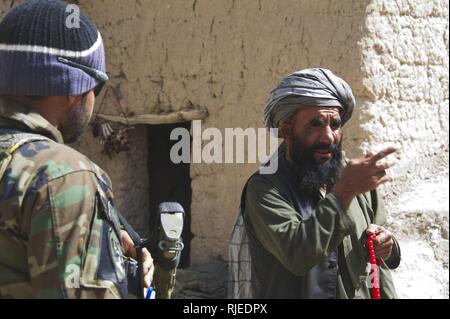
(168, 118)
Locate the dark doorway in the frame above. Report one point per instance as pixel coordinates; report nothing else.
(168, 181)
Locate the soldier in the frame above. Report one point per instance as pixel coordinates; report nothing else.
(60, 234)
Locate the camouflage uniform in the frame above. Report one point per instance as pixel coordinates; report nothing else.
(59, 231)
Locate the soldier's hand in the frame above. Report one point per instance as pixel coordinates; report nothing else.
(362, 175)
(383, 243)
(130, 251)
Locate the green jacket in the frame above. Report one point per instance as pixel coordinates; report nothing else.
(59, 234)
(310, 247)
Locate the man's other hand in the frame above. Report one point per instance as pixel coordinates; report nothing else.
(362, 175)
(383, 242)
(130, 251)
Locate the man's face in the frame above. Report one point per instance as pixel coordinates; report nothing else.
(78, 118)
(317, 130)
(314, 142)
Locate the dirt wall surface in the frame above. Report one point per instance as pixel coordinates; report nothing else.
(225, 57)
(405, 66)
(218, 60)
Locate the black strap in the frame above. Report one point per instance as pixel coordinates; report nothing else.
(138, 244)
(137, 241)
(164, 262)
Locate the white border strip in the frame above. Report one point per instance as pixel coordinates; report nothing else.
(52, 51)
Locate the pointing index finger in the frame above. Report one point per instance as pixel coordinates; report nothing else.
(383, 153)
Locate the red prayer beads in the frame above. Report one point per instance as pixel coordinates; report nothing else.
(374, 270)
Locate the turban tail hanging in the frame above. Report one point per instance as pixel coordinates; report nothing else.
(309, 87)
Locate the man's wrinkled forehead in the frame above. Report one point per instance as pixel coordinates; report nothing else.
(308, 113)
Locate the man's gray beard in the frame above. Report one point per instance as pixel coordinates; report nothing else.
(75, 122)
(314, 175)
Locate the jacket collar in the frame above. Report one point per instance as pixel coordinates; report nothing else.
(18, 115)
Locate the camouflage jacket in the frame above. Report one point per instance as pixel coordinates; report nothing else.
(59, 231)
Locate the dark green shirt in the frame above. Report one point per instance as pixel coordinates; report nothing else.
(309, 246)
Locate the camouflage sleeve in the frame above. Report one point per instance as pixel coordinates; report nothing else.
(73, 249)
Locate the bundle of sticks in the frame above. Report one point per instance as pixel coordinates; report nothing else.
(113, 136)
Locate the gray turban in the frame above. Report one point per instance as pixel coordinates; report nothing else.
(309, 87)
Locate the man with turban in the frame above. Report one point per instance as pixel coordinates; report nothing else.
(308, 223)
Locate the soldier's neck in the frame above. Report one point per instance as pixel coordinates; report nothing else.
(52, 108)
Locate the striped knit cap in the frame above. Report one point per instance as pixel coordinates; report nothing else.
(35, 37)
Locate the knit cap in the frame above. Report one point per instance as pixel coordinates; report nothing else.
(49, 48)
